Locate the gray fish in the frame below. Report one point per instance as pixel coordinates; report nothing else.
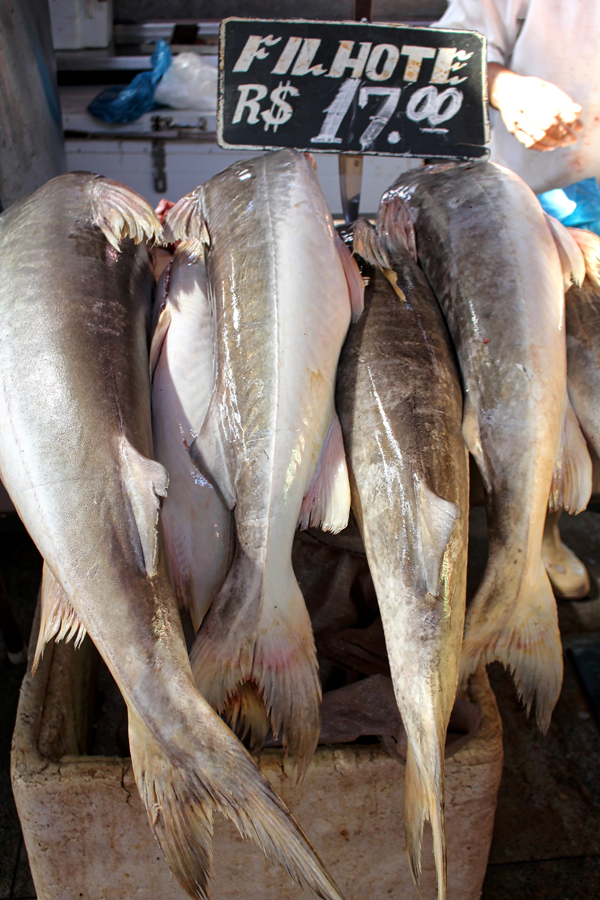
(271, 441)
(490, 257)
(76, 458)
(400, 406)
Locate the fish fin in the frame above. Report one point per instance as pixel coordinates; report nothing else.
(368, 244)
(571, 257)
(122, 213)
(58, 619)
(395, 224)
(356, 287)
(572, 476)
(424, 799)
(184, 222)
(209, 454)
(159, 335)
(436, 521)
(146, 481)
(327, 501)
(246, 637)
(523, 635)
(472, 438)
(589, 244)
(181, 799)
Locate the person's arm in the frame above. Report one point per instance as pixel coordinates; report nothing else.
(536, 112)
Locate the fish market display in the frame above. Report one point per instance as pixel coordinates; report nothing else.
(491, 259)
(198, 526)
(76, 458)
(400, 406)
(271, 441)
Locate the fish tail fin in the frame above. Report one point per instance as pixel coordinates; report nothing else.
(181, 797)
(424, 799)
(589, 244)
(119, 212)
(523, 636)
(251, 647)
(395, 224)
(572, 477)
(58, 619)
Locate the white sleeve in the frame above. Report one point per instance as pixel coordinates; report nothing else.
(499, 20)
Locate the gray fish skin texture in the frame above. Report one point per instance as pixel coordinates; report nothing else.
(582, 307)
(400, 405)
(491, 260)
(76, 458)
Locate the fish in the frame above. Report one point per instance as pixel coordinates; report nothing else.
(76, 459)
(400, 403)
(490, 256)
(271, 442)
(198, 525)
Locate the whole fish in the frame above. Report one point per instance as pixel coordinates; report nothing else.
(271, 441)
(76, 458)
(490, 257)
(400, 405)
(198, 526)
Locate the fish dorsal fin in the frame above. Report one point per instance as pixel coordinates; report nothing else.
(572, 477)
(356, 287)
(146, 481)
(589, 244)
(571, 257)
(436, 521)
(209, 454)
(326, 504)
(58, 619)
(395, 224)
(121, 213)
(472, 438)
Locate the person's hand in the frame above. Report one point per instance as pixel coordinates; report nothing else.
(539, 114)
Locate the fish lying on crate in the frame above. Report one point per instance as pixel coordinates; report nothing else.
(76, 459)
(281, 285)
(400, 405)
(198, 526)
(487, 250)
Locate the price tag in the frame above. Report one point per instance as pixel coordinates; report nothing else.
(352, 87)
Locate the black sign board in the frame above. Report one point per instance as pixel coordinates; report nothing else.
(352, 87)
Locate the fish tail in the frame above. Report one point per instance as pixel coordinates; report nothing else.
(524, 637)
(257, 666)
(424, 799)
(181, 796)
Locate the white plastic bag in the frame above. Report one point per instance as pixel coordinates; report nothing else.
(189, 83)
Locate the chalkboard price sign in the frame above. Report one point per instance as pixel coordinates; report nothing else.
(352, 87)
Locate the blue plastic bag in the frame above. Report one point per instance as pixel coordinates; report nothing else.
(126, 104)
(576, 206)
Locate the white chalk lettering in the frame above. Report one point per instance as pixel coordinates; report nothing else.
(250, 103)
(305, 57)
(383, 115)
(287, 56)
(336, 111)
(444, 65)
(426, 103)
(344, 61)
(416, 55)
(253, 50)
(392, 55)
(280, 111)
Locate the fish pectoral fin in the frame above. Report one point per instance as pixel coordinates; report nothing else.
(571, 257)
(146, 481)
(209, 454)
(472, 438)
(356, 286)
(185, 222)
(326, 504)
(159, 335)
(572, 476)
(369, 245)
(122, 213)
(395, 225)
(436, 521)
(58, 619)
(589, 244)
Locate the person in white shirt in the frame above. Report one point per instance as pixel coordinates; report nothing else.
(544, 89)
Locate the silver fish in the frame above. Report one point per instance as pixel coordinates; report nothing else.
(400, 405)
(76, 458)
(271, 441)
(491, 259)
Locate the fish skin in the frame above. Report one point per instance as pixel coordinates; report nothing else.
(282, 309)
(491, 260)
(198, 526)
(76, 460)
(400, 405)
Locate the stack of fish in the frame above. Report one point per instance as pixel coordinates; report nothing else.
(197, 503)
